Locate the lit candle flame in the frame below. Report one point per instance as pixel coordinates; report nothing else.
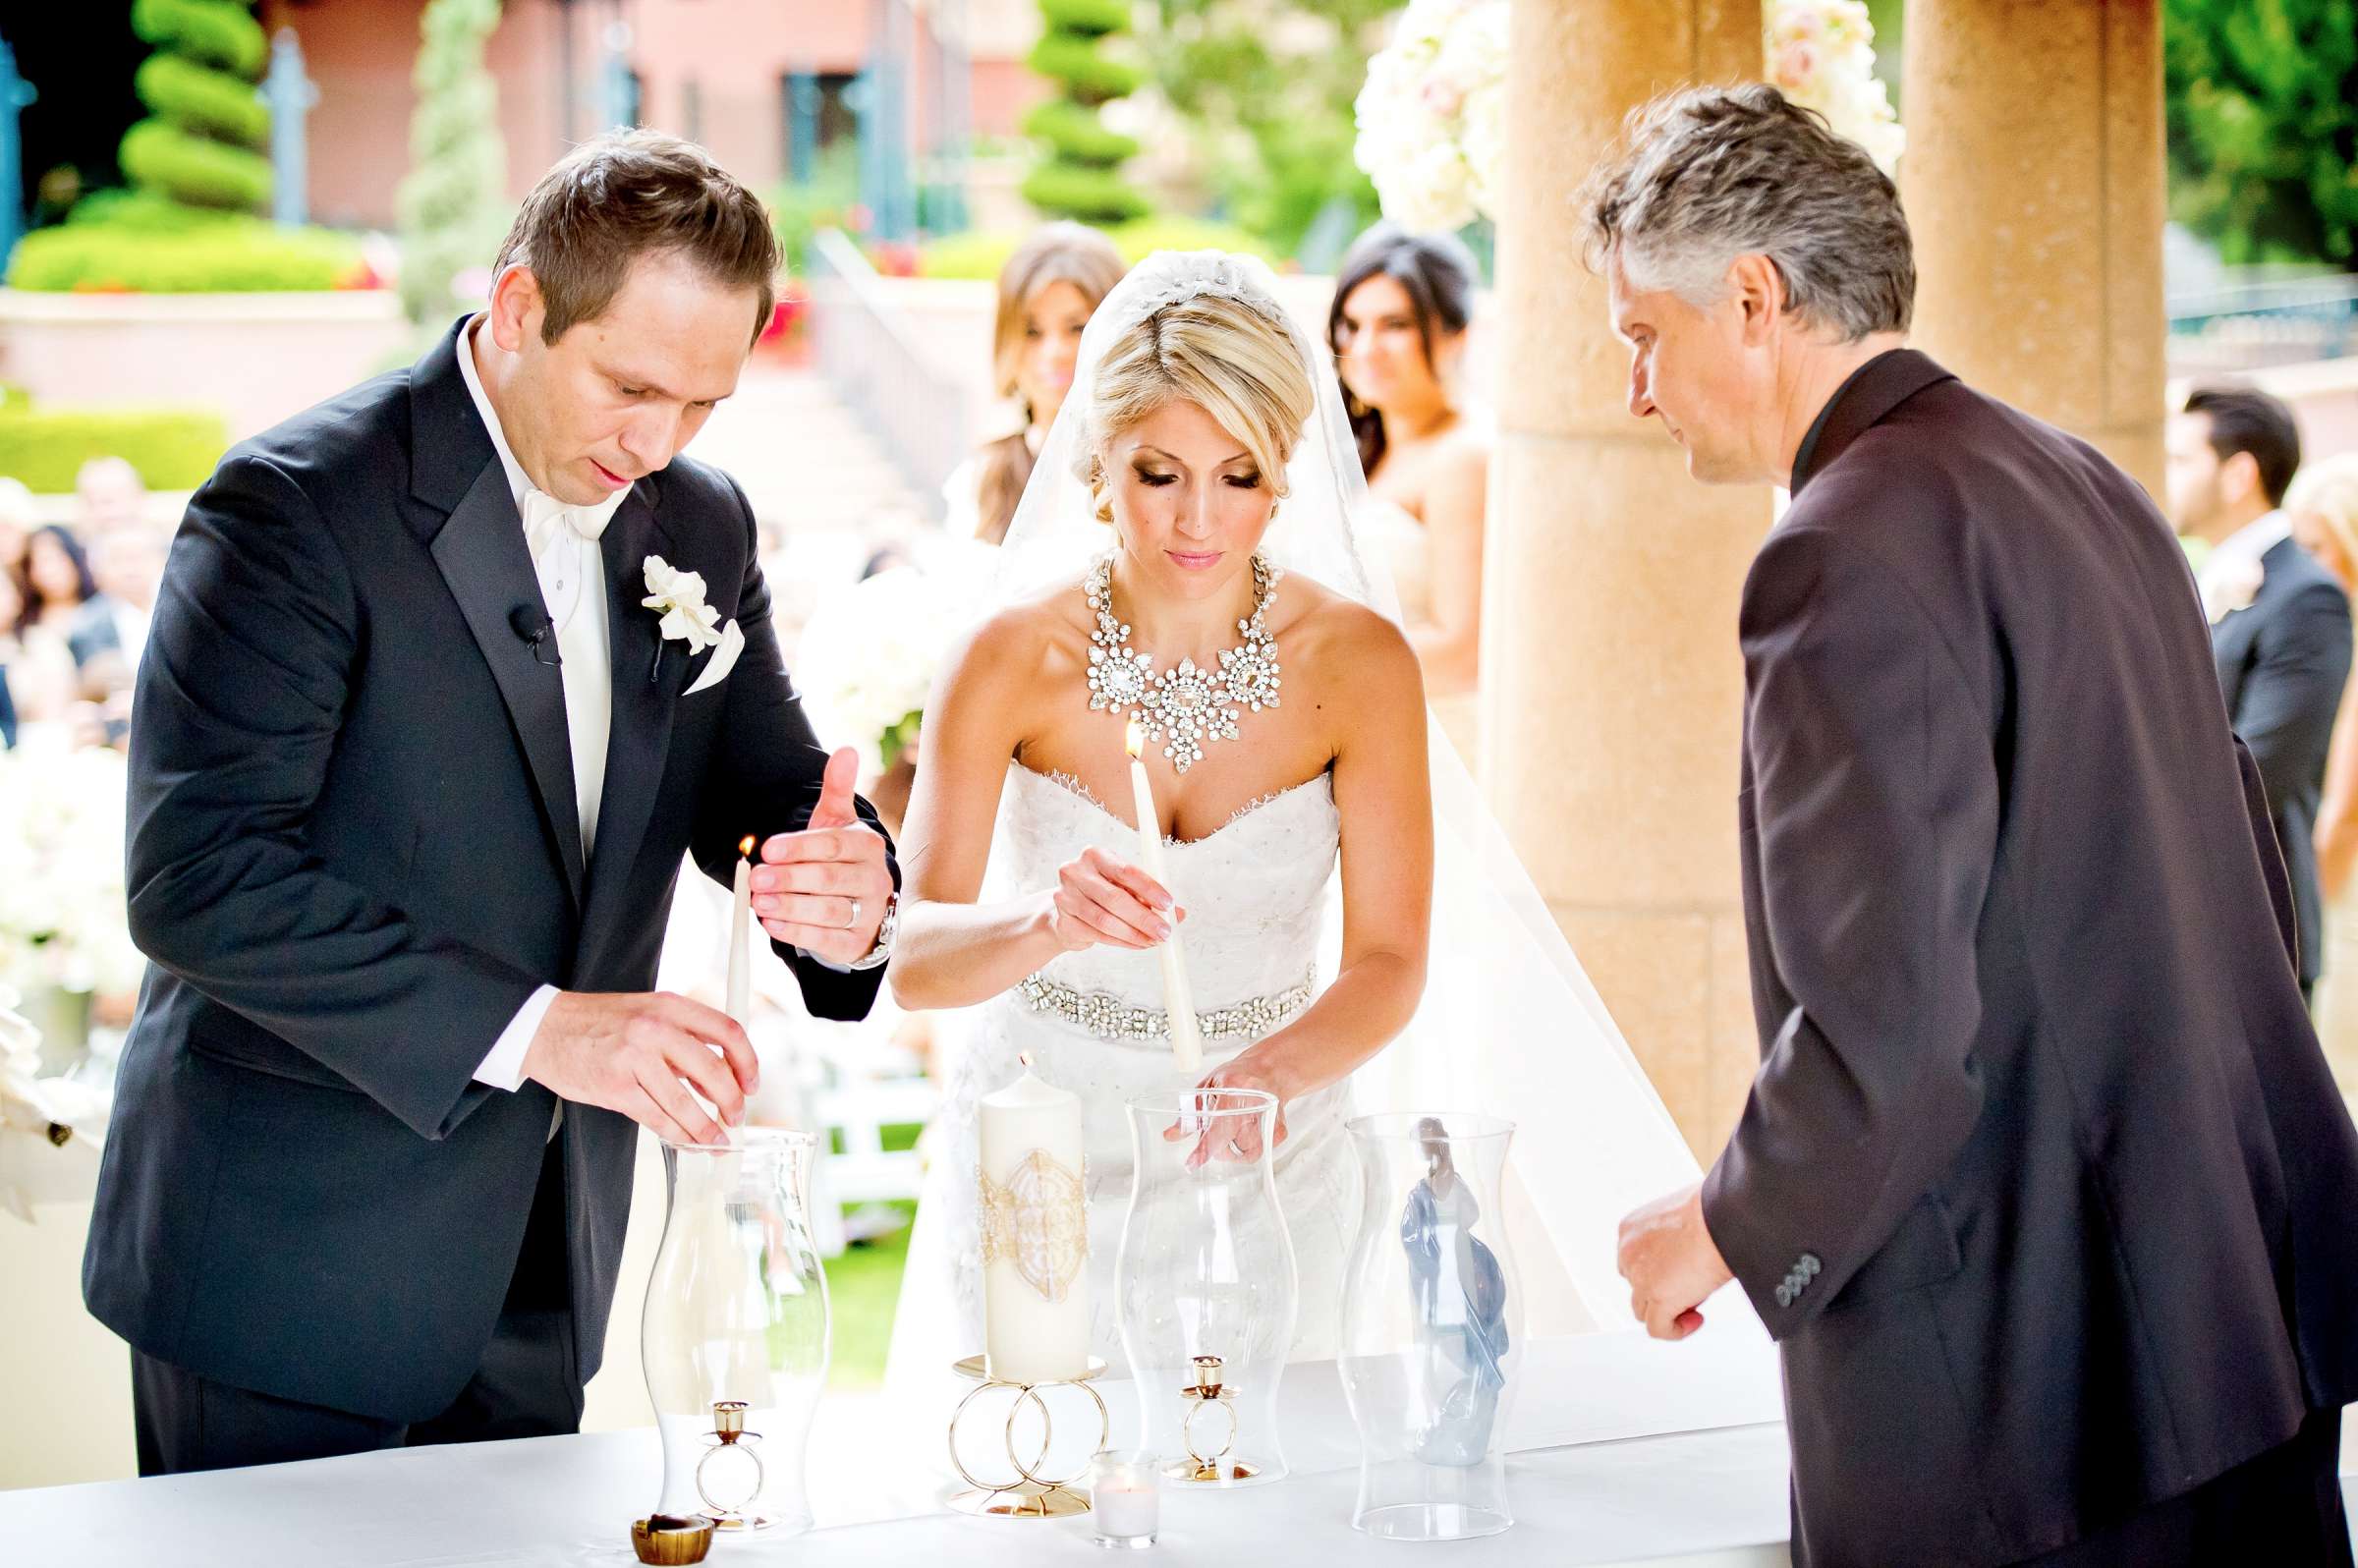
(1136, 739)
(745, 846)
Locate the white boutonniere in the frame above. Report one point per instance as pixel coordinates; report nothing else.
(678, 597)
(2230, 584)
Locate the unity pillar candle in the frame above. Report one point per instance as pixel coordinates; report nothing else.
(1178, 1001)
(1035, 1233)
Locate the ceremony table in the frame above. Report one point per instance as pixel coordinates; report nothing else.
(1622, 1450)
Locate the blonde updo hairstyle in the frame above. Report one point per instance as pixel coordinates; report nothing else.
(1225, 356)
(2328, 492)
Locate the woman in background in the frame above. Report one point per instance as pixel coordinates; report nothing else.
(1048, 291)
(1402, 305)
(2323, 504)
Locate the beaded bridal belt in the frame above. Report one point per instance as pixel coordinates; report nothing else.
(1112, 1019)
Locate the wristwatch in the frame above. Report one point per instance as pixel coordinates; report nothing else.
(888, 929)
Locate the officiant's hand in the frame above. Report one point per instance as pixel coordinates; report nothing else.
(640, 1054)
(1672, 1264)
(825, 889)
(1099, 899)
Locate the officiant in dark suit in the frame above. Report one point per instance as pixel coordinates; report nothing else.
(2043, 1186)
(446, 675)
(2279, 623)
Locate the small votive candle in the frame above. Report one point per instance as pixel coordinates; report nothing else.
(1125, 1498)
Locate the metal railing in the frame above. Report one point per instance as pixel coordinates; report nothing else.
(2253, 325)
(871, 357)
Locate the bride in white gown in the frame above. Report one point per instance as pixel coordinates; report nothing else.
(1186, 548)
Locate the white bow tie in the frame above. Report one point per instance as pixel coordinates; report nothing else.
(545, 516)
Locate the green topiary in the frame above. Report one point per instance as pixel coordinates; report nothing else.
(212, 32)
(1088, 18)
(183, 92)
(228, 254)
(1079, 178)
(452, 215)
(1077, 134)
(201, 146)
(160, 156)
(174, 449)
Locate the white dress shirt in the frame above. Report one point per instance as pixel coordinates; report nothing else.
(572, 589)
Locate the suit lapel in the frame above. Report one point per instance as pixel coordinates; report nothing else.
(645, 672)
(481, 555)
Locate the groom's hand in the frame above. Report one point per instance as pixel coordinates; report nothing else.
(1672, 1264)
(640, 1054)
(825, 889)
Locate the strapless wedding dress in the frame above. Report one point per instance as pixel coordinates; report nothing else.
(1256, 894)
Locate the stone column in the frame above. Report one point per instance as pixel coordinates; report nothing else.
(1613, 683)
(2034, 183)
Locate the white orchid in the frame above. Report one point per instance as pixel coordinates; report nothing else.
(2231, 581)
(678, 597)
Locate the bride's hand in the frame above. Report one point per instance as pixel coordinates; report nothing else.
(1232, 1138)
(1099, 899)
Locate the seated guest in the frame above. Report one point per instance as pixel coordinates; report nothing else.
(2279, 623)
(110, 494)
(128, 565)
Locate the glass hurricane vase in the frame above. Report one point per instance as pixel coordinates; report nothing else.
(1432, 1323)
(735, 1335)
(1206, 1284)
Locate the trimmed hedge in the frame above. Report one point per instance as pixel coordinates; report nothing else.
(218, 31)
(980, 254)
(1091, 17)
(164, 157)
(187, 93)
(1091, 194)
(1089, 77)
(214, 254)
(174, 449)
(1077, 134)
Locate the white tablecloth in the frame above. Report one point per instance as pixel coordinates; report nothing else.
(1609, 1466)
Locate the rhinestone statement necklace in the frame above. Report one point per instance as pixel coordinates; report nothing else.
(1188, 706)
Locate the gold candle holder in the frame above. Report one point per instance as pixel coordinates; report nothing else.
(671, 1539)
(737, 1454)
(1030, 1494)
(1209, 1391)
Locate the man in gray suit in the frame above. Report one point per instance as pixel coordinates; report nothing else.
(2043, 1187)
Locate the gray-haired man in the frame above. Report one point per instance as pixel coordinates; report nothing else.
(2043, 1186)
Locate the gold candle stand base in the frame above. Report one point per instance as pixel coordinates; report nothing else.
(1031, 1494)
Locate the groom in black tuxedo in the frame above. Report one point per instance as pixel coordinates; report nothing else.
(2279, 623)
(426, 720)
(2043, 1187)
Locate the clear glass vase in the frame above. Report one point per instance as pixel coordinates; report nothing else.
(735, 1336)
(1206, 1287)
(1432, 1325)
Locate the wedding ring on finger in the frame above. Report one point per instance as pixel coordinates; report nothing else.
(853, 924)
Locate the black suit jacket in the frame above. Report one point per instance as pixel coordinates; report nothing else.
(2043, 1186)
(2282, 663)
(355, 852)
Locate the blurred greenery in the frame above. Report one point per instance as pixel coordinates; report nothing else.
(453, 209)
(824, 202)
(201, 142)
(174, 449)
(981, 253)
(2262, 103)
(138, 242)
(1080, 174)
(1267, 90)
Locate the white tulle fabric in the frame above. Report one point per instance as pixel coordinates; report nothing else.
(1509, 1024)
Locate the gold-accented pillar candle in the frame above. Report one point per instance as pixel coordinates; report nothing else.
(1035, 1233)
(1178, 1000)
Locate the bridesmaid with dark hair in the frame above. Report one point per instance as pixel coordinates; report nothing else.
(1048, 292)
(1402, 306)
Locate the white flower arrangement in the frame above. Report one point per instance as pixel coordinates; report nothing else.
(64, 920)
(868, 658)
(1432, 114)
(1821, 54)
